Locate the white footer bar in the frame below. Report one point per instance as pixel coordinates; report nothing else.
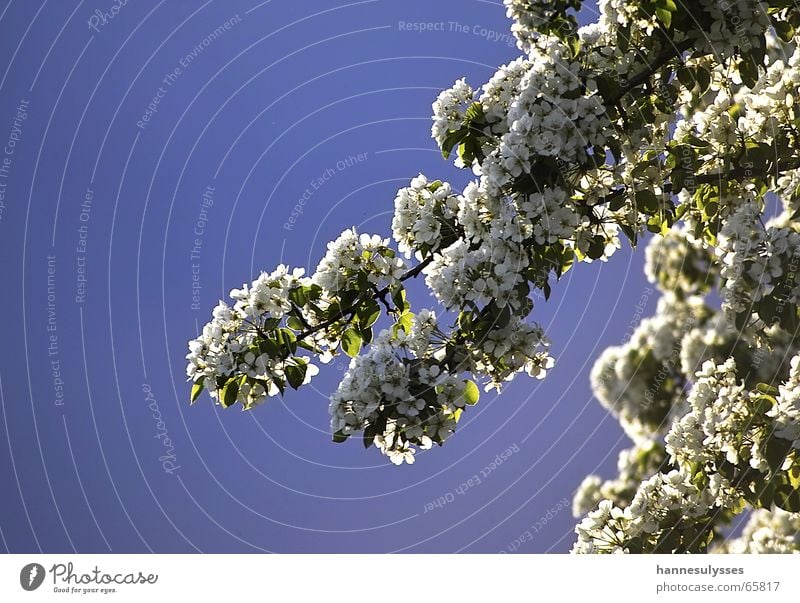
(333, 578)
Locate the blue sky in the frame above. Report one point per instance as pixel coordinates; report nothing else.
(163, 151)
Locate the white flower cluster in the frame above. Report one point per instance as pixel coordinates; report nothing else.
(755, 261)
(786, 412)
(449, 109)
(735, 25)
(490, 273)
(788, 189)
(658, 504)
(553, 117)
(421, 211)
(424, 337)
(716, 421)
(678, 264)
(352, 254)
(212, 353)
(719, 412)
(603, 54)
(766, 114)
(634, 465)
(553, 216)
(766, 353)
(268, 295)
(639, 382)
(505, 351)
(502, 89)
(489, 262)
(228, 344)
(588, 495)
(530, 16)
(663, 494)
(622, 43)
(398, 401)
(727, 421)
(769, 108)
(766, 532)
(615, 14)
(714, 340)
(236, 342)
(715, 124)
(499, 236)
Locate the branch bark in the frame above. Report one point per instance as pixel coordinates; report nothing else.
(414, 272)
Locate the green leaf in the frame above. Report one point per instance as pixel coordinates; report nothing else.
(788, 498)
(766, 388)
(748, 69)
(703, 77)
(710, 210)
(368, 437)
(399, 299)
(299, 296)
(784, 29)
(269, 347)
(794, 476)
(366, 335)
(772, 311)
(575, 46)
(197, 389)
(623, 38)
(700, 480)
(296, 374)
(230, 392)
(368, 313)
(647, 201)
(686, 77)
(727, 470)
(404, 322)
(657, 225)
(762, 404)
(314, 292)
(294, 323)
(697, 142)
(775, 452)
(664, 16)
(270, 323)
(339, 437)
(632, 235)
(474, 112)
(616, 148)
(451, 140)
(286, 337)
(760, 154)
(608, 87)
(469, 150)
(471, 393)
(351, 342)
(597, 247)
(735, 111)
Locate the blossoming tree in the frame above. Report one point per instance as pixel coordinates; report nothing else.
(676, 119)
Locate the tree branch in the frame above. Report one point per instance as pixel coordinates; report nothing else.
(414, 272)
(742, 173)
(644, 75)
(739, 173)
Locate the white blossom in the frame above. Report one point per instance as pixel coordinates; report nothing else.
(351, 254)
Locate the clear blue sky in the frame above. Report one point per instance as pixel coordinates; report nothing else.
(101, 203)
